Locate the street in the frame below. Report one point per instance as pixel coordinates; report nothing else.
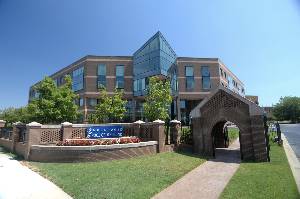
(292, 134)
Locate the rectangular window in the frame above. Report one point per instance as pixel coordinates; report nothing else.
(77, 79)
(119, 76)
(189, 75)
(101, 82)
(135, 85)
(205, 77)
(92, 101)
(80, 101)
(182, 104)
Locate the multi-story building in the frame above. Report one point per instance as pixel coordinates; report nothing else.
(192, 79)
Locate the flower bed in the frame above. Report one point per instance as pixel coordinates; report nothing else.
(89, 142)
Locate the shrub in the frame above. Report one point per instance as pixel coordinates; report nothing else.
(90, 142)
(186, 136)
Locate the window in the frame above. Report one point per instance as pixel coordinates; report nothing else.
(189, 74)
(92, 101)
(77, 77)
(79, 102)
(56, 82)
(182, 104)
(174, 82)
(139, 85)
(119, 76)
(101, 76)
(205, 77)
(135, 85)
(221, 72)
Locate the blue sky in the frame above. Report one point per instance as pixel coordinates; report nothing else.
(258, 40)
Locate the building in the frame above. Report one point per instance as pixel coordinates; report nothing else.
(192, 79)
(252, 98)
(269, 112)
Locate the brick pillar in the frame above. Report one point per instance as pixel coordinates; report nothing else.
(137, 128)
(159, 134)
(15, 135)
(175, 132)
(33, 136)
(67, 128)
(258, 138)
(2, 124)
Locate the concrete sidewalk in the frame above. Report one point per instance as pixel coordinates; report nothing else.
(19, 182)
(293, 160)
(209, 179)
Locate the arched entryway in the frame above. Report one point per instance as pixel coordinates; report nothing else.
(223, 106)
(226, 135)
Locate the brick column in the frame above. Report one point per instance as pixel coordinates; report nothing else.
(2, 124)
(33, 136)
(159, 134)
(259, 139)
(175, 132)
(15, 135)
(137, 128)
(67, 128)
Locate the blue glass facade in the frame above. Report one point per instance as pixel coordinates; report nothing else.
(78, 79)
(155, 57)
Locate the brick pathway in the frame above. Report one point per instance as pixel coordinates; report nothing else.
(209, 179)
(19, 182)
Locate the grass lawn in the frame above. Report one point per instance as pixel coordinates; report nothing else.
(233, 134)
(264, 180)
(140, 177)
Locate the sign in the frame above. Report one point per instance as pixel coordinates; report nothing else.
(95, 132)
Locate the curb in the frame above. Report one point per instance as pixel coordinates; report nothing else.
(293, 161)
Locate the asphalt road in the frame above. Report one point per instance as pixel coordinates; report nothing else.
(292, 134)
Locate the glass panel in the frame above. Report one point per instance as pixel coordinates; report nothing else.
(80, 101)
(92, 102)
(189, 82)
(189, 71)
(119, 76)
(135, 85)
(77, 79)
(102, 69)
(206, 82)
(205, 71)
(182, 104)
(119, 70)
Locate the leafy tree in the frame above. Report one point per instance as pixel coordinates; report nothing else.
(110, 108)
(288, 108)
(158, 99)
(54, 104)
(12, 115)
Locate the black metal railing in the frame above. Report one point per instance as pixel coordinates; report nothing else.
(6, 133)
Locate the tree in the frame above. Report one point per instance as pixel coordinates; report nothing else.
(54, 104)
(288, 108)
(110, 108)
(158, 99)
(12, 115)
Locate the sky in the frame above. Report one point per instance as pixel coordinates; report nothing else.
(259, 41)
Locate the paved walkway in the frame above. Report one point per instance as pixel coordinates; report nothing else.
(19, 182)
(209, 179)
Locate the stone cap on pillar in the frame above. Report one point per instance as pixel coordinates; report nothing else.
(159, 121)
(18, 123)
(139, 122)
(66, 124)
(175, 121)
(2, 123)
(34, 124)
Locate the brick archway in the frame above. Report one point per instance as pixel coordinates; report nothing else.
(225, 105)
